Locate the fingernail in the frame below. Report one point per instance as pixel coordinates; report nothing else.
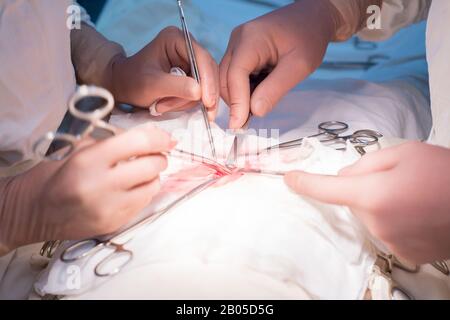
(290, 179)
(210, 102)
(234, 122)
(287, 178)
(173, 143)
(163, 107)
(260, 107)
(211, 115)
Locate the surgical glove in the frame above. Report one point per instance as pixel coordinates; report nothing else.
(145, 77)
(290, 43)
(101, 187)
(402, 194)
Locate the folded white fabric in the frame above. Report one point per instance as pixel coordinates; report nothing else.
(254, 225)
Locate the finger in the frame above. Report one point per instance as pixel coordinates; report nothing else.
(223, 70)
(173, 104)
(212, 113)
(84, 144)
(140, 141)
(141, 196)
(175, 48)
(170, 85)
(208, 69)
(186, 106)
(328, 189)
(143, 170)
(209, 76)
(372, 162)
(243, 63)
(179, 105)
(284, 77)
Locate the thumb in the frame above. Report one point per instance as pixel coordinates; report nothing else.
(284, 77)
(328, 189)
(170, 85)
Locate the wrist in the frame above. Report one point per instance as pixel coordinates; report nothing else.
(5, 241)
(338, 29)
(349, 16)
(334, 20)
(20, 213)
(10, 236)
(325, 15)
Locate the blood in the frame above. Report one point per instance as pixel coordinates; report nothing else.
(188, 178)
(229, 178)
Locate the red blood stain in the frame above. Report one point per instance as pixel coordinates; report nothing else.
(188, 178)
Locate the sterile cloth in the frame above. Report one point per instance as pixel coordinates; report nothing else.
(301, 111)
(355, 98)
(252, 224)
(251, 238)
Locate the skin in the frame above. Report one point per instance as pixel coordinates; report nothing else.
(145, 77)
(401, 194)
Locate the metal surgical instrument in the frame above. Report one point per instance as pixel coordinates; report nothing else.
(255, 80)
(330, 133)
(89, 104)
(196, 74)
(232, 156)
(86, 248)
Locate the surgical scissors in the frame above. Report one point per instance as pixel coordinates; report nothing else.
(87, 248)
(196, 74)
(91, 105)
(330, 132)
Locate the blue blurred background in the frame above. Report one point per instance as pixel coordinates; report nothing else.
(94, 7)
(134, 23)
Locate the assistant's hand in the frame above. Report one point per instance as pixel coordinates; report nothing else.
(402, 194)
(291, 42)
(145, 77)
(97, 190)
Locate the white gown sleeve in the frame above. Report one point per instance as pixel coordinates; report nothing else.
(397, 14)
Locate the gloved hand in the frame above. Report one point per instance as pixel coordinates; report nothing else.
(402, 194)
(95, 192)
(145, 77)
(289, 42)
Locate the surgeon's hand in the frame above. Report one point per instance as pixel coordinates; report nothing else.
(402, 194)
(97, 190)
(290, 42)
(145, 77)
